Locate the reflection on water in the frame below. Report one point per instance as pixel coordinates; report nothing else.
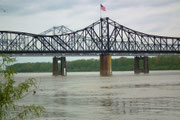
(87, 96)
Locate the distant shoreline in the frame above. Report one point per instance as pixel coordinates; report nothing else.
(99, 71)
(93, 65)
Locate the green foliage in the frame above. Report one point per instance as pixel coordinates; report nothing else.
(32, 67)
(122, 64)
(83, 65)
(11, 93)
(165, 63)
(119, 64)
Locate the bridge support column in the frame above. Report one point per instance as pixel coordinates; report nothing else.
(146, 65)
(63, 66)
(105, 65)
(137, 68)
(55, 66)
(136, 65)
(63, 70)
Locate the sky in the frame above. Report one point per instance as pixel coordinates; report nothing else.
(159, 17)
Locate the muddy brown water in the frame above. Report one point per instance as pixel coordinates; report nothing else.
(124, 96)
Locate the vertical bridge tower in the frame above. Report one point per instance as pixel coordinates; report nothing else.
(105, 57)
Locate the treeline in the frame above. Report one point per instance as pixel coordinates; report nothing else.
(120, 64)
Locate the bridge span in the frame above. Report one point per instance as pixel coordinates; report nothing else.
(104, 38)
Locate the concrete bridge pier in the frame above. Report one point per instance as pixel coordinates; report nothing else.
(105, 65)
(63, 66)
(63, 70)
(137, 68)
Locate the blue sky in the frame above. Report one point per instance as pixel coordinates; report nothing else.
(160, 17)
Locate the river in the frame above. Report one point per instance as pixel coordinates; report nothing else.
(124, 96)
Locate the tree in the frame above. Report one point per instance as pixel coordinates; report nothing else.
(11, 93)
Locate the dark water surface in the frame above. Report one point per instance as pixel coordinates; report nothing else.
(124, 96)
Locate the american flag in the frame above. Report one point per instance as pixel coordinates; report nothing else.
(102, 7)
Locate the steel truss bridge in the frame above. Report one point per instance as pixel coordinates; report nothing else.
(102, 37)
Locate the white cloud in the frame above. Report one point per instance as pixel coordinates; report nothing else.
(37, 15)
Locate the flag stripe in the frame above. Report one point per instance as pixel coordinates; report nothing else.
(103, 8)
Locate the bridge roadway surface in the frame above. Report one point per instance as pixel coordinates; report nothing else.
(104, 36)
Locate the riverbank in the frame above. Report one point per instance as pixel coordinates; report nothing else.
(120, 64)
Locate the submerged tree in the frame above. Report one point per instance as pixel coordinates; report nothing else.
(11, 92)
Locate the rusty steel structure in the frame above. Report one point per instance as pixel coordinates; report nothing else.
(104, 36)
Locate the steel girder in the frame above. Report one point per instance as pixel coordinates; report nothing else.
(102, 37)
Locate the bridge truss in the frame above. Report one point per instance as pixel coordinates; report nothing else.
(57, 30)
(102, 37)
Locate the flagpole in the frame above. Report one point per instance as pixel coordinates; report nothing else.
(100, 9)
(100, 13)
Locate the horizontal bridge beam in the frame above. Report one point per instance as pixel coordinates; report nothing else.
(94, 53)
